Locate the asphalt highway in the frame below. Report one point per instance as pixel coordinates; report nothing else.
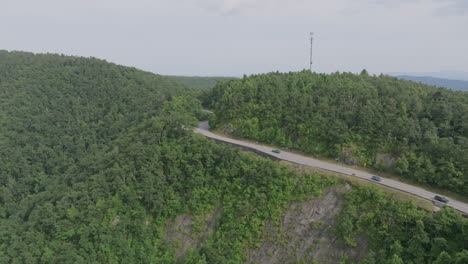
(291, 157)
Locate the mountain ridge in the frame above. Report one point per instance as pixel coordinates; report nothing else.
(458, 85)
(451, 75)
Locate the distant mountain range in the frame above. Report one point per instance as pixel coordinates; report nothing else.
(451, 75)
(460, 85)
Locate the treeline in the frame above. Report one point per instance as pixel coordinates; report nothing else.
(421, 131)
(458, 85)
(199, 87)
(199, 83)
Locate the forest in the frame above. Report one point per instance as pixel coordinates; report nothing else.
(198, 83)
(417, 131)
(400, 233)
(97, 160)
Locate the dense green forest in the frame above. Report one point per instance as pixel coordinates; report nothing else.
(199, 87)
(414, 130)
(399, 233)
(97, 160)
(199, 83)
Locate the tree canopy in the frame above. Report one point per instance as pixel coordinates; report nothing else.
(400, 233)
(421, 130)
(97, 160)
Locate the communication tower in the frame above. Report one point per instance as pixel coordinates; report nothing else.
(311, 42)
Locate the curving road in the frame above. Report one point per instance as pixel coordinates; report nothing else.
(204, 130)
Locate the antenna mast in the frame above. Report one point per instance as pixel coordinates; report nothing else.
(311, 42)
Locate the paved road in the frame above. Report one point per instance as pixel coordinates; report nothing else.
(203, 129)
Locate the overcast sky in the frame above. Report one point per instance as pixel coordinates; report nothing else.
(233, 37)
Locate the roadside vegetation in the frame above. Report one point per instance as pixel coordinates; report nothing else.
(400, 233)
(388, 192)
(414, 130)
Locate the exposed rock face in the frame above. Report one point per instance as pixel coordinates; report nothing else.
(306, 233)
(189, 232)
(351, 161)
(387, 160)
(347, 155)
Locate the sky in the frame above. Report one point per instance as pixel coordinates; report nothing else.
(236, 37)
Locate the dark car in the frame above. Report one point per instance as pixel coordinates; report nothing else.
(441, 199)
(276, 151)
(376, 178)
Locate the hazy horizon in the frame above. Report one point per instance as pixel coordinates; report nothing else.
(236, 37)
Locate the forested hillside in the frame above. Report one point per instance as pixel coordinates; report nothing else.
(399, 233)
(417, 131)
(98, 164)
(199, 83)
(97, 159)
(200, 87)
(72, 153)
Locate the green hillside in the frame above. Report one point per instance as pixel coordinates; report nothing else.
(99, 164)
(414, 130)
(199, 83)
